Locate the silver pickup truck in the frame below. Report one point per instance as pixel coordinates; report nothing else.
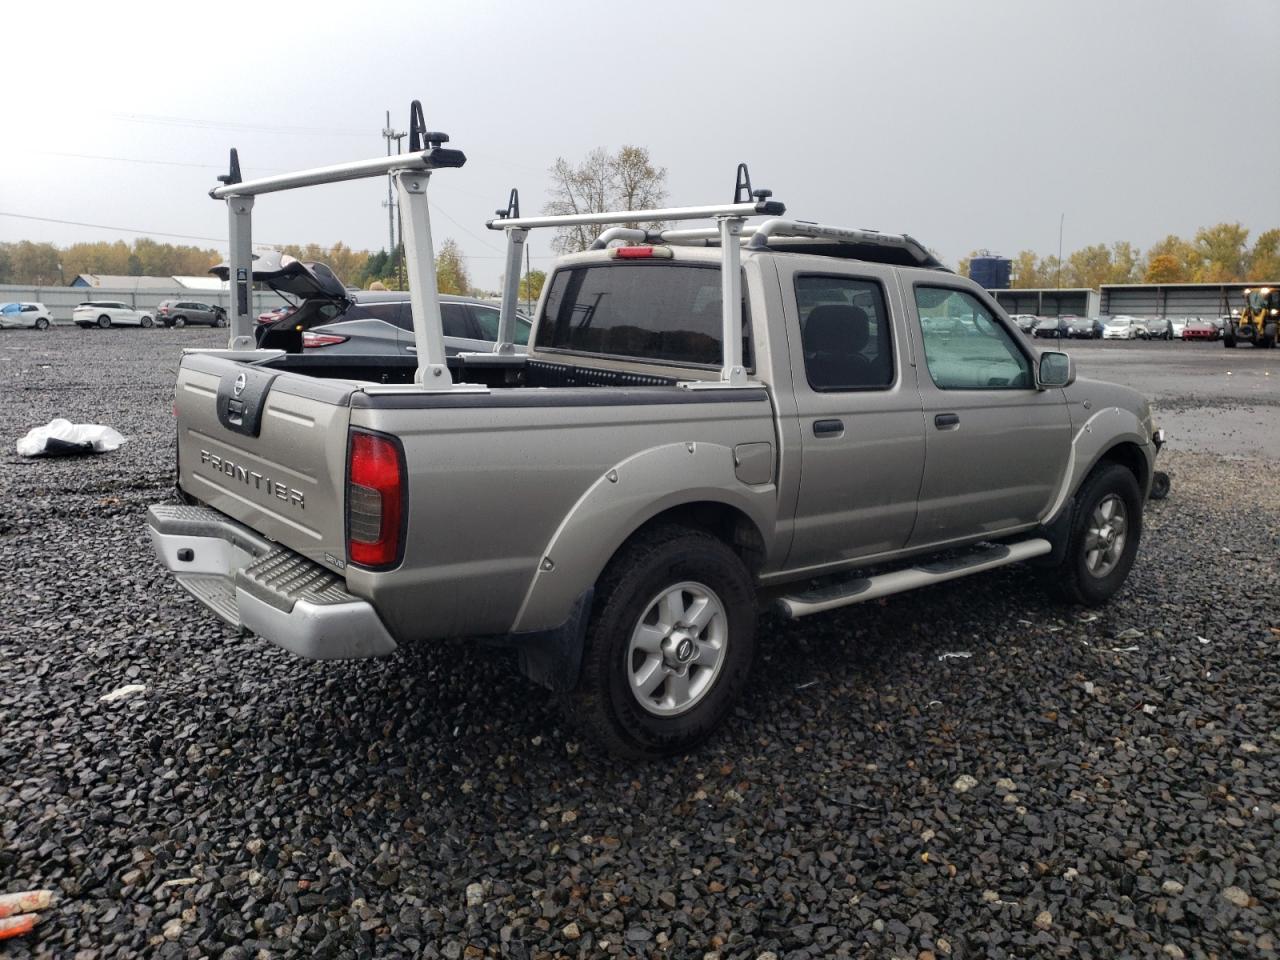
(619, 503)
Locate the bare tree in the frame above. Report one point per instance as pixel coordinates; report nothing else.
(626, 180)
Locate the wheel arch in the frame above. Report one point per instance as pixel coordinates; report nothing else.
(688, 484)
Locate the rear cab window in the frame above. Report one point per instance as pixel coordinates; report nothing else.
(844, 328)
(654, 311)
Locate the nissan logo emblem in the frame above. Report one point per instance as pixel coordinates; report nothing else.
(239, 387)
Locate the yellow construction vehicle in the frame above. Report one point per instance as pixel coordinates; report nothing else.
(1257, 322)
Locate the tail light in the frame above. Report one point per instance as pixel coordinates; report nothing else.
(375, 500)
(310, 339)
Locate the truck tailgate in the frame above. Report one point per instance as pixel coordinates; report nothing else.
(266, 448)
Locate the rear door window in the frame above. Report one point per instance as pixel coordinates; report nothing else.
(457, 321)
(655, 311)
(844, 326)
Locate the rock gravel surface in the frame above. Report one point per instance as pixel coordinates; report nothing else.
(1092, 784)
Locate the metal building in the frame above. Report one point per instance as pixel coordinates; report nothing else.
(1176, 299)
(1071, 302)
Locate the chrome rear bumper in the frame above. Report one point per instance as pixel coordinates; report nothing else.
(260, 586)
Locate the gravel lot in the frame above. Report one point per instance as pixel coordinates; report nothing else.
(1094, 785)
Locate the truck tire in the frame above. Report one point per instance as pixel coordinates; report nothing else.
(1105, 529)
(1268, 338)
(669, 646)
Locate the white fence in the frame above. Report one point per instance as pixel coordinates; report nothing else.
(62, 300)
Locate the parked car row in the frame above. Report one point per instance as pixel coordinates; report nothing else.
(1120, 327)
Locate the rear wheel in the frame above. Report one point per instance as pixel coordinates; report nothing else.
(1268, 338)
(42, 323)
(146, 322)
(220, 321)
(104, 321)
(669, 646)
(1105, 530)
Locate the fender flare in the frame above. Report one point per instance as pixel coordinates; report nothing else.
(1107, 429)
(622, 500)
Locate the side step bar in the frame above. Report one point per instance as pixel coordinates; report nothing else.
(855, 590)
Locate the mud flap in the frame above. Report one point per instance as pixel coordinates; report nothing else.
(553, 658)
(1057, 533)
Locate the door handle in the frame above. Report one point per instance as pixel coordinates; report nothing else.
(412, 349)
(828, 428)
(944, 420)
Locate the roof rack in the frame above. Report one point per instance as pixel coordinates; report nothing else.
(729, 228)
(410, 171)
(856, 244)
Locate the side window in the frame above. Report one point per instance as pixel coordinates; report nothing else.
(965, 347)
(457, 322)
(486, 319)
(844, 327)
(386, 312)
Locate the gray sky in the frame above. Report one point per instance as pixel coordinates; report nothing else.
(967, 125)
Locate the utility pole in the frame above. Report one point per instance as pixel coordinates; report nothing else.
(1061, 220)
(389, 134)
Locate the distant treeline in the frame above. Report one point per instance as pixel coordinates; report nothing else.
(44, 264)
(1218, 254)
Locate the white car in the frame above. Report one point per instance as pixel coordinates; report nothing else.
(33, 315)
(1119, 328)
(109, 313)
(1178, 324)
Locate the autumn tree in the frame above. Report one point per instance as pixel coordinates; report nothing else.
(626, 180)
(1026, 271)
(1164, 268)
(451, 269)
(1178, 261)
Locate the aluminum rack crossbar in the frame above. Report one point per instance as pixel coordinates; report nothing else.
(410, 173)
(729, 226)
(433, 159)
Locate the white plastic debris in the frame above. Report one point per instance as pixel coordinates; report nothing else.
(62, 437)
(1133, 633)
(128, 690)
(955, 655)
(1202, 639)
(1133, 649)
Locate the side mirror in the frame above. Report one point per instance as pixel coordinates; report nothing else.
(1056, 369)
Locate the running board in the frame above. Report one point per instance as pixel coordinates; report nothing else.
(844, 592)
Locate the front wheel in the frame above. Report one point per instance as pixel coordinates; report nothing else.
(179, 321)
(1103, 541)
(669, 646)
(104, 321)
(1268, 338)
(219, 321)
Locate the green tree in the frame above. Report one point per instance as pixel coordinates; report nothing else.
(1264, 259)
(1224, 252)
(451, 269)
(1126, 263)
(531, 285)
(35, 263)
(1088, 267)
(626, 180)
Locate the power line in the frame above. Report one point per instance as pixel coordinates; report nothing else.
(166, 163)
(228, 125)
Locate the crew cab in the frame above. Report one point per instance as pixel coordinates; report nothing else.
(707, 421)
